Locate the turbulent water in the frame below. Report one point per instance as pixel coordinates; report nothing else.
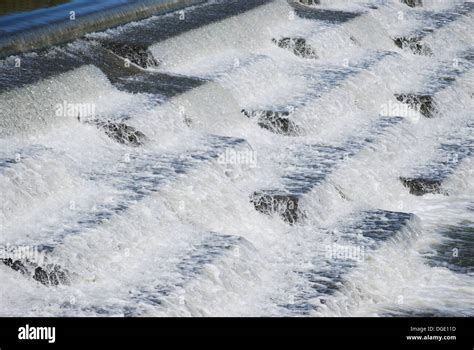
(296, 207)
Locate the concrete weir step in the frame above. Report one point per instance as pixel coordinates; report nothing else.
(191, 264)
(129, 188)
(422, 103)
(350, 243)
(129, 180)
(444, 75)
(123, 75)
(130, 78)
(276, 117)
(130, 43)
(173, 277)
(433, 20)
(275, 121)
(310, 166)
(53, 25)
(429, 177)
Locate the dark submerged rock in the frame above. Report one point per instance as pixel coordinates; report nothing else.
(49, 275)
(341, 193)
(298, 46)
(134, 52)
(52, 275)
(286, 205)
(425, 104)
(354, 40)
(16, 265)
(420, 186)
(119, 132)
(123, 133)
(310, 2)
(414, 44)
(275, 121)
(413, 3)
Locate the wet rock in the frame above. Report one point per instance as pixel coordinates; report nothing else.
(188, 121)
(341, 193)
(423, 103)
(50, 275)
(310, 2)
(298, 46)
(123, 133)
(275, 121)
(286, 205)
(420, 186)
(16, 265)
(354, 40)
(413, 3)
(414, 44)
(134, 52)
(120, 132)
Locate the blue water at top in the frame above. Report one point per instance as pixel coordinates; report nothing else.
(21, 21)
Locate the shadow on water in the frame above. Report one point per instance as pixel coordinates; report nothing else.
(456, 251)
(424, 313)
(165, 27)
(317, 14)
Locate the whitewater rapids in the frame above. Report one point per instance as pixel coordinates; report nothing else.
(169, 228)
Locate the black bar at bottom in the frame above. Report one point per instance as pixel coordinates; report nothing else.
(446, 332)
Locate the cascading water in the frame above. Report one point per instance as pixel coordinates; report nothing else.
(244, 171)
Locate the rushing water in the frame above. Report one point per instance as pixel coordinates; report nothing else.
(176, 226)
